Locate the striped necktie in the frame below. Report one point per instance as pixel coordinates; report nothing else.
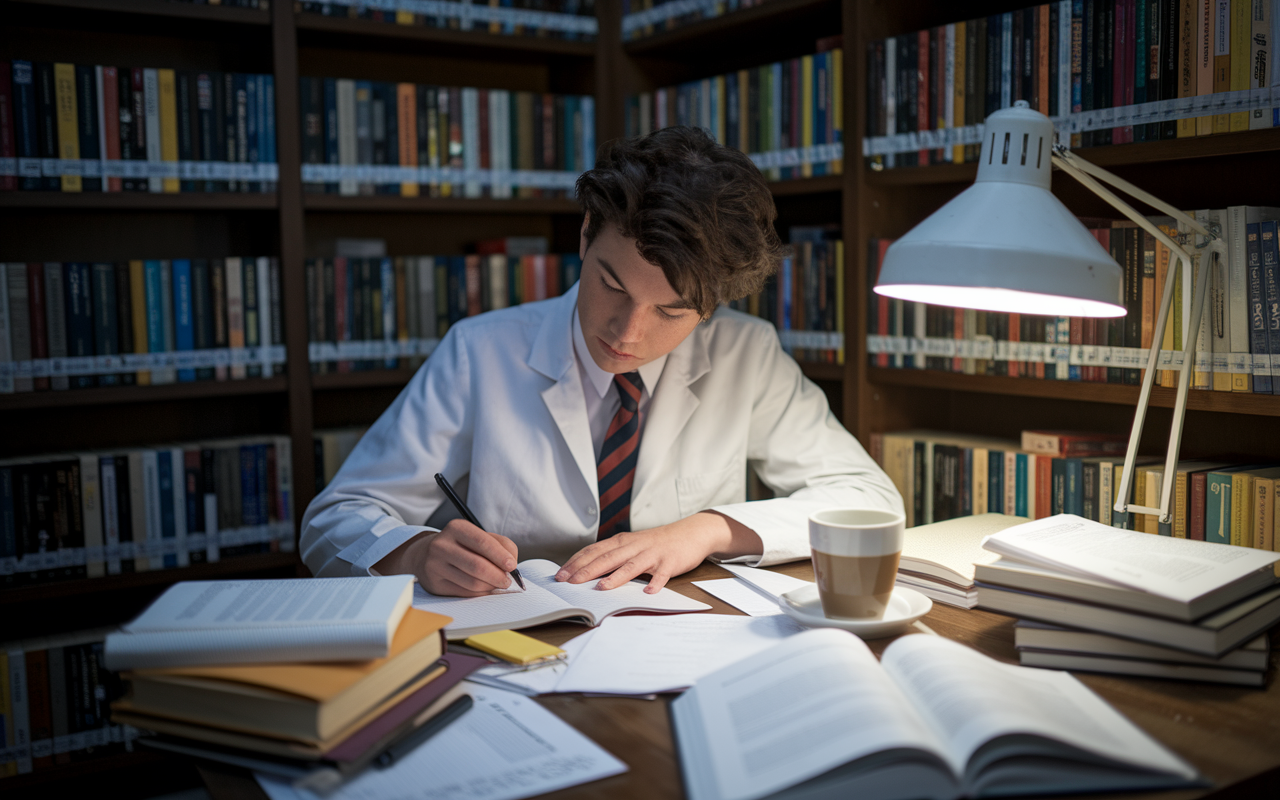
(616, 469)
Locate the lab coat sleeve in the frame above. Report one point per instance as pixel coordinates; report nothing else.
(386, 489)
(800, 451)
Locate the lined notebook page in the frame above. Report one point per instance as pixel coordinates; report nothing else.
(624, 598)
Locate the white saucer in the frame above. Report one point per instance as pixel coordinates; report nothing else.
(905, 607)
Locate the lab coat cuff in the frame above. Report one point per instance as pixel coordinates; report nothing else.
(372, 547)
(783, 540)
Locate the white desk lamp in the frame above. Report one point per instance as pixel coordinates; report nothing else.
(1007, 244)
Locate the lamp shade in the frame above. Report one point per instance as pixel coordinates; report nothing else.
(1006, 243)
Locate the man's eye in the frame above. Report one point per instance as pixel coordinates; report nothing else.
(611, 287)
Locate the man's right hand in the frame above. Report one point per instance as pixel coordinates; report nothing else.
(459, 561)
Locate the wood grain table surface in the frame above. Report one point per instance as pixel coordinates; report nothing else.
(1231, 734)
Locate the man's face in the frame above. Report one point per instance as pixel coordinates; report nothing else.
(630, 315)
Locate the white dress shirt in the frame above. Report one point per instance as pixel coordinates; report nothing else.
(601, 396)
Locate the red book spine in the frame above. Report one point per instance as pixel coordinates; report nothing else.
(1044, 486)
(1195, 507)
(111, 121)
(39, 327)
(957, 333)
(553, 275)
(473, 286)
(8, 183)
(1015, 336)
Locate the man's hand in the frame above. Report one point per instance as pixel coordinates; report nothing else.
(661, 552)
(459, 561)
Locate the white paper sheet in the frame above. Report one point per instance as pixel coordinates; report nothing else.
(505, 748)
(741, 596)
(771, 583)
(646, 655)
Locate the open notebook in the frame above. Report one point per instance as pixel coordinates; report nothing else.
(546, 600)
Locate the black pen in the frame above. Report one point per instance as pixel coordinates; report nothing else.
(466, 513)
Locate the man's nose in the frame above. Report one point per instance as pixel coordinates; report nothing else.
(628, 327)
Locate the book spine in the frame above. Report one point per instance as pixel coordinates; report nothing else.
(67, 120)
(234, 277)
(186, 128)
(166, 513)
(109, 514)
(201, 314)
(62, 296)
(183, 314)
(218, 304)
(251, 321)
(1270, 254)
(87, 94)
(1258, 347)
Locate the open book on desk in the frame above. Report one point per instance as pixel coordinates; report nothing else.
(818, 716)
(546, 600)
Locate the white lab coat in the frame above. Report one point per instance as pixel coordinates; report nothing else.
(499, 409)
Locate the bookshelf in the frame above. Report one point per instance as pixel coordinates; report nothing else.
(1206, 172)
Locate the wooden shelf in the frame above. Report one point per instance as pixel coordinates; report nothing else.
(799, 186)
(361, 380)
(161, 8)
(713, 31)
(447, 205)
(108, 395)
(142, 201)
(1231, 144)
(232, 566)
(1222, 402)
(822, 371)
(365, 28)
(124, 768)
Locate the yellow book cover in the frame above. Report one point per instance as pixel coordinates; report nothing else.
(1165, 377)
(494, 25)
(407, 133)
(957, 117)
(514, 647)
(806, 111)
(1151, 497)
(840, 268)
(1186, 45)
(138, 306)
(1179, 505)
(1241, 509)
(404, 17)
(1241, 29)
(1221, 59)
(1264, 503)
(980, 475)
(168, 124)
(837, 105)
(64, 98)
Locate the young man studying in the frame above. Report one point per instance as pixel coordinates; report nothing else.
(610, 429)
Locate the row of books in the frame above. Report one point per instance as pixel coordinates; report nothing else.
(788, 116)
(54, 696)
(1238, 340)
(86, 515)
(93, 128)
(373, 313)
(943, 476)
(641, 18)
(1070, 58)
(1090, 599)
(551, 19)
(80, 324)
(375, 137)
(807, 295)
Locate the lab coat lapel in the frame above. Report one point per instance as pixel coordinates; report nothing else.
(552, 356)
(670, 408)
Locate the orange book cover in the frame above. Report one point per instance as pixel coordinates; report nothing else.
(407, 133)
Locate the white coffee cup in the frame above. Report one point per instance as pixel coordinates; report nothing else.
(855, 559)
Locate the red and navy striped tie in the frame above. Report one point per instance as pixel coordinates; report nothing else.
(616, 470)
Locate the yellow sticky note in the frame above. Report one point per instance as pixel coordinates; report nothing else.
(514, 647)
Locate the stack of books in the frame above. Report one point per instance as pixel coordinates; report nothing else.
(308, 680)
(1099, 599)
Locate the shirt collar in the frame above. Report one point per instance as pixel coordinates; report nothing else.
(600, 380)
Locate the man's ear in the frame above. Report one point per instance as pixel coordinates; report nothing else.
(582, 237)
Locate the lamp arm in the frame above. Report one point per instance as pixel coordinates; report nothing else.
(1082, 171)
(1063, 156)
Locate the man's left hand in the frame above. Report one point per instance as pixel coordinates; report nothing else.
(661, 552)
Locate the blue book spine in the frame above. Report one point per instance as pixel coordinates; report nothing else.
(183, 330)
(1270, 248)
(821, 94)
(24, 126)
(164, 468)
(78, 290)
(330, 128)
(588, 105)
(248, 486)
(388, 310)
(1074, 500)
(155, 309)
(995, 482)
(1020, 502)
(1261, 377)
(269, 117)
(263, 475)
(8, 530)
(105, 317)
(1006, 59)
(1217, 508)
(571, 263)
(458, 288)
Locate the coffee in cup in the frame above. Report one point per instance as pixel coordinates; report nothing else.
(855, 559)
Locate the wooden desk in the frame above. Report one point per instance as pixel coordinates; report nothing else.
(1231, 734)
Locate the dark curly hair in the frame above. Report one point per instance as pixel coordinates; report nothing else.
(699, 210)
